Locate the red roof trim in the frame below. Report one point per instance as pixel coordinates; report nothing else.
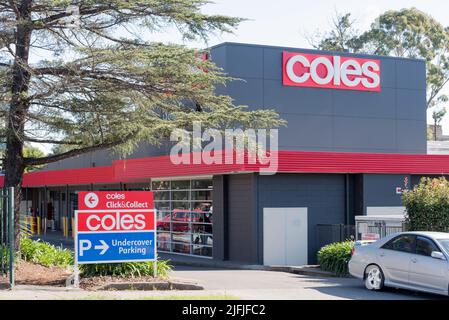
(133, 170)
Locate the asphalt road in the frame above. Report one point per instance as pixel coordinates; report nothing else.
(240, 284)
(255, 284)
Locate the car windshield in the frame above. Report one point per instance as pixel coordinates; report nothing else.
(445, 244)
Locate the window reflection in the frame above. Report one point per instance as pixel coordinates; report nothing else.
(184, 217)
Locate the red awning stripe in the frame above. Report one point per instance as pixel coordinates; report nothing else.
(140, 169)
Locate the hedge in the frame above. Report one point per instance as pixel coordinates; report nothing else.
(427, 205)
(335, 257)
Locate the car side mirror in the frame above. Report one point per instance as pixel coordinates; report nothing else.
(438, 255)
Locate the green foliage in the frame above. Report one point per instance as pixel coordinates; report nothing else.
(32, 152)
(430, 133)
(335, 257)
(428, 205)
(342, 36)
(129, 269)
(48, 255)
(114, 88)
(408, 33)
(44, 253)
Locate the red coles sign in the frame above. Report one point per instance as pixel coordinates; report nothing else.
(115, 221)
(114, 200)
(330, 71)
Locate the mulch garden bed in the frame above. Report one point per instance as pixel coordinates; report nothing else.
(28, 273)
(4, 282)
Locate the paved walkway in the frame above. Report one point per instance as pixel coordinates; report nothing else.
(56, 238)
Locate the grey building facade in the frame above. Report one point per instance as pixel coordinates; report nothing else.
(391, 121)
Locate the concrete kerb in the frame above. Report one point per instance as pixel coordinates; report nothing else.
(309, 270)
(148, 286)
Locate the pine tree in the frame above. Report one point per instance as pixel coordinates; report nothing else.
(101, 84)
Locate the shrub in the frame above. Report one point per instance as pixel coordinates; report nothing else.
(128, 269)
(428, 205)
(48, 255)
(44, 253)
(335, 257)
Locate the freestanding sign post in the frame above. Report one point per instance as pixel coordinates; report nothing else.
(115, 226)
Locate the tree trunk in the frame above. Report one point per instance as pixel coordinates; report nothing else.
(14, 162)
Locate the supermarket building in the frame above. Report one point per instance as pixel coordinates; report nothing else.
(356, 137)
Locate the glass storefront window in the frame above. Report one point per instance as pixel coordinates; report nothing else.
(202, 206)
(161, 195)
(160, 185)
(184, 205)
(180, 195)
(184, 218)
(163, 236)
(202, 184)
(163, 246)
(202, 195)
(180, 185)
(205, 251)
(163, 221)
(162, 205)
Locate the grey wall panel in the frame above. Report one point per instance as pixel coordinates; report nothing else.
(365, 104)
(379, 190)
(388, 72)
(244, 62)
(247, 92)
(218, 55)
(272, 70)
(409, 104)
(410, 75)
(318, 119)
(410, 133)
(220, 217)
(358, 121)
(291, 100)
(306, 131)
(242, 233)
(322, 194)
(365, 134)
(105, 157)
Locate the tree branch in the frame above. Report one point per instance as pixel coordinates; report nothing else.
(28, 139)
(76, 152)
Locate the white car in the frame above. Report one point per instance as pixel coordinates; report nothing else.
(408, 260)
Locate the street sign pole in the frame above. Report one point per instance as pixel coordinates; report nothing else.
(76, 279)
(155, 245)
(11, 237)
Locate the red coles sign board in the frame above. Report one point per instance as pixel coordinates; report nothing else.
(113, 200)
(330, 71)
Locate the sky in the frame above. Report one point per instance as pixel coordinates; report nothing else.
(289, 22)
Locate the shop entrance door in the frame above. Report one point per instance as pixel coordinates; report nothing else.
(285, 236)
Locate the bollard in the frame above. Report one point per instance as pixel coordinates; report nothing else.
(38, 226)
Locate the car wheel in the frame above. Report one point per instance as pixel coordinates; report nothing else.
(374, 278)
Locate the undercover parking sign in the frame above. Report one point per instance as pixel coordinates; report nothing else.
(105, 235)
